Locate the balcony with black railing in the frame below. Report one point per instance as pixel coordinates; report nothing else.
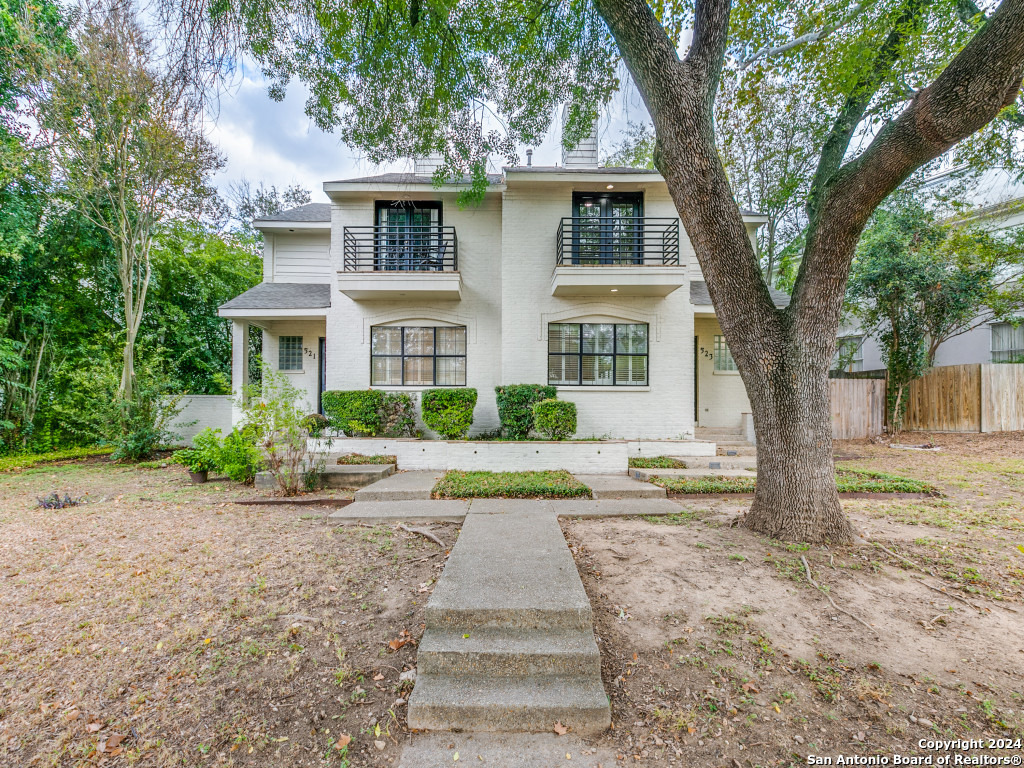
(395, 262)
(624, 255)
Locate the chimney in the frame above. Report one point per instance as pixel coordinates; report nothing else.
(425, 166)
(529, 158)
(584, 154)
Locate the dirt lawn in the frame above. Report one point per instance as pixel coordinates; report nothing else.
(718, 651)
(161, 625)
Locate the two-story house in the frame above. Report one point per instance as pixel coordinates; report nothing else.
(577, 275)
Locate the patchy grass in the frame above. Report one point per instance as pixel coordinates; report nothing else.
(359, 458)
(557, 484)
(847, 481)
(656, 462)
(26, 460)
(166, 626)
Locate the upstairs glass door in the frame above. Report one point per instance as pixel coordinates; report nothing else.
(409, 236)
(608, 228)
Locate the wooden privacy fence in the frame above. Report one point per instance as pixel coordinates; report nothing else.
(858, 407)
(967, 398)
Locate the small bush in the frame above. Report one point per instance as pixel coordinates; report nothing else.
(144, 422)
(354, 412)
(397, 415)
(204, 455)
(449, 412)
(358, 458)
(515, 407)
(557, 484)
(656, 462)
(315, 424)
(555, 419)
(56, 501)
(240, 458)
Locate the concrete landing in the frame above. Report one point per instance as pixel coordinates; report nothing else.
(403, 486)
(509, 642)
(410, 511)
(505, 750)
(338, 476)
(719, 462)
(620, 487)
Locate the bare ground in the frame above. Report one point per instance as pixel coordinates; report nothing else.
(159, 624)
(717, 650)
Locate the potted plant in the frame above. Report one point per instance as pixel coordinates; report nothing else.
(196, 462)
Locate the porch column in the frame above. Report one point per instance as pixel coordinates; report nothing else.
(239, 366)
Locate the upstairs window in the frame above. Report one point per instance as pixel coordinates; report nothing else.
(598, 354)
(849, 354)
(409, 237)
(723, 357)
(289, 353)
(429, 356)
(1007, 343)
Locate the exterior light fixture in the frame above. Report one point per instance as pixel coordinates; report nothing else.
(615, 290)
(610, 186)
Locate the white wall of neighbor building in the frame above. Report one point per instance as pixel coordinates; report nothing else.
(721, 396)
(478, 230)
(664, 409)
(975, 346)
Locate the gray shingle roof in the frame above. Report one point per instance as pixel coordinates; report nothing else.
(562, 169)
(699, 294)
(307, 212)
(408, 178)
(283, 296)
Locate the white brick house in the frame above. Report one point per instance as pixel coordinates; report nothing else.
(582, 277)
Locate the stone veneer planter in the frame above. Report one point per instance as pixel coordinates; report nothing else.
(583, 456)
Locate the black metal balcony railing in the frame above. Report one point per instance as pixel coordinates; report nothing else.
(618, 241)
(410, 248)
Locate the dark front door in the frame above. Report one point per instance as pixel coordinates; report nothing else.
(608, 228)
(409, 236)
(321, 383)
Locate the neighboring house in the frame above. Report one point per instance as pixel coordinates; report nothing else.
(577, 275)
(989, 342)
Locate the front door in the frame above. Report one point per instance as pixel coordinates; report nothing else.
(608, 228)
(409, 236)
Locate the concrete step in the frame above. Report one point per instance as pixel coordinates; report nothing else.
(510, 570)
(401, 486)
(508, 653)
(620, 487)
(483, 703)
(722, 462)
(745, 449)
(338, 476)
(374, 512)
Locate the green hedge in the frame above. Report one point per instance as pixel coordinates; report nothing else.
(449, 412)
(555, 419)
(847, 481)
(359, 458)
(515, 407)
(557, 484)
(354, 412)
(656, 462)
(370, 412)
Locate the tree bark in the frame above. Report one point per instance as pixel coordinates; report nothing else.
(784, 355)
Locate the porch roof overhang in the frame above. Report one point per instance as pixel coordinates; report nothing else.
(273, 300)
(700, 298)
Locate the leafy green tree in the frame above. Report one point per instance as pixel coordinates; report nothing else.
(902, 83)
(194, 272)
(918, 282)
(127, 141)
(249, 203)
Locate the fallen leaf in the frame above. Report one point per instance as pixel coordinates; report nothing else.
(72, 715)
(343, 741)
(93, 727)
(114, 739)
(378, 676)
(397, 643)
(455, 756)
(560, 729)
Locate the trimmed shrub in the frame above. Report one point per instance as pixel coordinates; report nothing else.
(515, 407)
(555, 419)
(354, 412)
(359, 458)
(449, 412)
(240, 458)
(398, 415)
(315, 423)
(556, 484)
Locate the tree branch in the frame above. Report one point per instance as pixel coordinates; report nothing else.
(810, 37)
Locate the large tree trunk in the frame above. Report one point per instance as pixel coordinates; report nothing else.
(796, 496)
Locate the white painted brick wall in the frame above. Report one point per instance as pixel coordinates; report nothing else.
(306, 379)
(212, 411)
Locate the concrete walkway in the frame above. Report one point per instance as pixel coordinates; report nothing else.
(509, 642)
(403, 486)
